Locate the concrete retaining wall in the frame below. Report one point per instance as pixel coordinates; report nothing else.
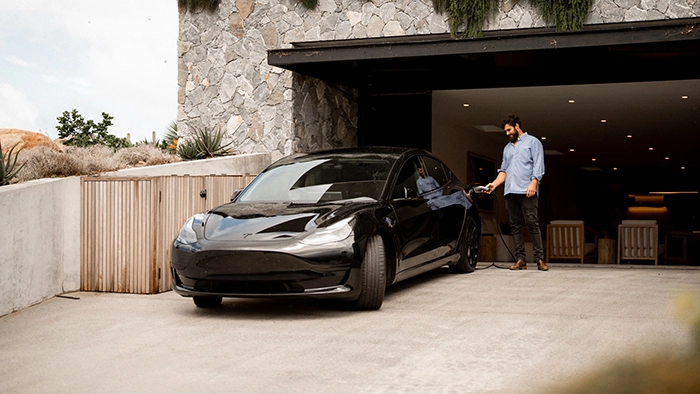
(40, 235)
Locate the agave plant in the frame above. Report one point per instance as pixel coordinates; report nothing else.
(210, 144)
(187, 150)
(8, 166)
(204, 144)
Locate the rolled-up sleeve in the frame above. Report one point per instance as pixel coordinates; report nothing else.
(537, 160)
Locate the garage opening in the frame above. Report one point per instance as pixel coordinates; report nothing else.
(616, 106)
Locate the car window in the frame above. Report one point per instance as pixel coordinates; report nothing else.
(321, 179)
(436, 170)
(407, 179)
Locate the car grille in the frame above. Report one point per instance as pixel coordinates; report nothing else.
(249, 287)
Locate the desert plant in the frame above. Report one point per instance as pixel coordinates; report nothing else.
(187, 150)
(210, 143)
(74, 130)
(8, 165)
(204, 144)
(170, 138)
(43, 162)
(143, 154)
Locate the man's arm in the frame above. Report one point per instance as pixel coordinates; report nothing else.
(537, 168)
(500, 178)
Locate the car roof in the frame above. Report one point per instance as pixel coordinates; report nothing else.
(390, 152)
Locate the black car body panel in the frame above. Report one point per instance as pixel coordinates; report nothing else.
(302, 226)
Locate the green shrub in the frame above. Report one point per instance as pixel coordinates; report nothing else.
(74, 130)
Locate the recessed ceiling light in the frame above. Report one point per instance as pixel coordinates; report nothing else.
(593, 159)
(465, 105)
(614, 168)
(629, 135)
(543, 138)
(651, 148)
(571, 101)
(571, 150)
(684, 97)
(682, 168)
(667, 158)
(603, 121)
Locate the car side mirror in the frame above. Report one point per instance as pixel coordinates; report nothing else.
(235, 194)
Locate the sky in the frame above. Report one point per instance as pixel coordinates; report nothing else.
(118, 57)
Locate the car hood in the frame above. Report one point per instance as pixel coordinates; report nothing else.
(270, 221)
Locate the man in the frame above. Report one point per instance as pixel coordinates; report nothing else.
(521, 170)
(425, 183)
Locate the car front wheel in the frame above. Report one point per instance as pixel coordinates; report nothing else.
(207, 302)
(468, 248)
(373, 276)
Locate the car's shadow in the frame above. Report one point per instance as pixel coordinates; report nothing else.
(303, 308)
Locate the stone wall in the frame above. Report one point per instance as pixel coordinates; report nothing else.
(226, 83)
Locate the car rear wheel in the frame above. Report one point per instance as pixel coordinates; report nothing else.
(373, 276)
(468, 248)
(207, 302)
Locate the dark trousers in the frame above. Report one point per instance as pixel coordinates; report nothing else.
(519, 207)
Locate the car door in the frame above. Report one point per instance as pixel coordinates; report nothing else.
(449, 204)
(419, 207)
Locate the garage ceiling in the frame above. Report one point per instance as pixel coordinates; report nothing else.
(625, 125)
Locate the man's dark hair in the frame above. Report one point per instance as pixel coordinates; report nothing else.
(511, 120)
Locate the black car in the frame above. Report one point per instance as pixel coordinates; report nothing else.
(342, 223)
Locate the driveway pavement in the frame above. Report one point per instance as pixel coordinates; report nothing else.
(493, 331)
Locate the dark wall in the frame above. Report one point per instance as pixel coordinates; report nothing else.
(395, 120)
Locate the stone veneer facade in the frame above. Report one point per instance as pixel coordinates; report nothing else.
(225, 82)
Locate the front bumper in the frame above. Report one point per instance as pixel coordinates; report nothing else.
(247, 272)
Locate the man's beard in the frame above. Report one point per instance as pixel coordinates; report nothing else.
(512, 137)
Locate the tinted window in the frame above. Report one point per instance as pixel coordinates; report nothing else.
(436, 170)
(319, 179)
(407, 179)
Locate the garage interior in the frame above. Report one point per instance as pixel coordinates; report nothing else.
(617, 107)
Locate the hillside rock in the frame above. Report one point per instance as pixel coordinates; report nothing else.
(25, 140)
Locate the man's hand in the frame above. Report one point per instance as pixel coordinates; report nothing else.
(531, 188)
(491, 188)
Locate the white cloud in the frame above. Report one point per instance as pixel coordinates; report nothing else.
(16, 111)
(19, 62)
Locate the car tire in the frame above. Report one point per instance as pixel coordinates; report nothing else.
(468, 248)
(373, 276)
(207, 302)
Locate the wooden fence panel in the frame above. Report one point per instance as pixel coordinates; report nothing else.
(178, 200)
(129, 224)
(117, 235)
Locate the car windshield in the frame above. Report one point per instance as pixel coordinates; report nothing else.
(320, 180)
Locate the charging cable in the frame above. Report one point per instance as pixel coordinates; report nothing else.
(480, 190)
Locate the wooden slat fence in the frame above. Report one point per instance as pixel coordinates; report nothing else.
(128, 225)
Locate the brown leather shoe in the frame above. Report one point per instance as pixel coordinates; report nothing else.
(542, 265)
(519, 265)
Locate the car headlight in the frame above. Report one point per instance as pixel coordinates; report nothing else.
(334, 233)
(187, 233)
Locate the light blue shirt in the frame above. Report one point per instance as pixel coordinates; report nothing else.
(522, 162)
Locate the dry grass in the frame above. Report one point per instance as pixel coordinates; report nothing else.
(44, 163)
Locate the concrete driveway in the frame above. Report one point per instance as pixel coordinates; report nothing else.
(493, 331)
